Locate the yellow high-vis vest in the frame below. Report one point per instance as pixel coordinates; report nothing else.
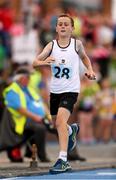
(18, 118)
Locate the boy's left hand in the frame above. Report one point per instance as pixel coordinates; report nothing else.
(90, 75)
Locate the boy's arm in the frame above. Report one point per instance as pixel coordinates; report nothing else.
(86, 61)
(43, 58)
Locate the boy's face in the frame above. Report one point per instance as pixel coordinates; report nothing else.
(64, 27)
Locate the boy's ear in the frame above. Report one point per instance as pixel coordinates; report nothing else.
(73, 28)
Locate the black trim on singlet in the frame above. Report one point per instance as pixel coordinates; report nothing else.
(65, 46)
(50, 51)
(51, 48)
(75, 47)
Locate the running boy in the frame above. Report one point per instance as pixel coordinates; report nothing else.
(63, 55)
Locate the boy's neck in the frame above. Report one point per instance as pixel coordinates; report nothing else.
(63, 41)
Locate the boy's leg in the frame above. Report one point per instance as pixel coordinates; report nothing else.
(61, 124)
(62, 105)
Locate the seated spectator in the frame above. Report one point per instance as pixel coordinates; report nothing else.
(23, 118)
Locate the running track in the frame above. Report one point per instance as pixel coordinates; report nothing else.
(91, 174)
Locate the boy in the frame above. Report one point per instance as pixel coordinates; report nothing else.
(63, 55)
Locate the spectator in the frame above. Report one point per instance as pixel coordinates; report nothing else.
(2, 56)
(6, 19)
(104, 106)
(86, 109)
(23, 117)
(114, 116)
(4, 81)
(102, 56)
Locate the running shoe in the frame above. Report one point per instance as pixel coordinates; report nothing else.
(60, 167)
(72, 138)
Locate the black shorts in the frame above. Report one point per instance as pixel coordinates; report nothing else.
(66, 100)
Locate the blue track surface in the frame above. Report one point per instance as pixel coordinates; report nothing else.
(91, 174)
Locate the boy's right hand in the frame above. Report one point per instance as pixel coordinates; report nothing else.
(49, 60)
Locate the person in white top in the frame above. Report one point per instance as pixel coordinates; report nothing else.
(64, 55)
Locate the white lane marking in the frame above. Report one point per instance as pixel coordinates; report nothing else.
(9, 178)
(107, 173)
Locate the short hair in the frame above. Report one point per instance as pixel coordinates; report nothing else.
(68, 16)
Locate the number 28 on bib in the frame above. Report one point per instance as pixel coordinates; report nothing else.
(61, 71)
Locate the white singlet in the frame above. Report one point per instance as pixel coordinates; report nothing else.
(65, 70)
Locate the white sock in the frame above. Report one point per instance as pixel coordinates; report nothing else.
(69, 130)
(63, 155)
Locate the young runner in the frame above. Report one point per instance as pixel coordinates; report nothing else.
(64, 55)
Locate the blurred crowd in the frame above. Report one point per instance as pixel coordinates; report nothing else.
(23, 36)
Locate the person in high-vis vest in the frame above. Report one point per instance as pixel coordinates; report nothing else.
(26, 111)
